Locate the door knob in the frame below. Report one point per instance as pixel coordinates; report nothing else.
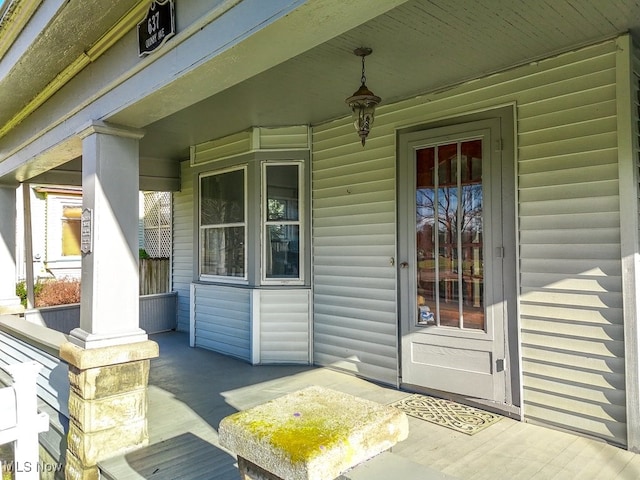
(404, 264)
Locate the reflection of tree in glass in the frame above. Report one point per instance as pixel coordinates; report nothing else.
(449, 250)
(425, 207)
(216, 211)
(275, 209)
(471, 209)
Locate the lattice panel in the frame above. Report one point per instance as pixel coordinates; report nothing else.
(157, 224)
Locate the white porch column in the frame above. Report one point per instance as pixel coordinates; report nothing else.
(109, 355)
(9, 301)
(109, 306)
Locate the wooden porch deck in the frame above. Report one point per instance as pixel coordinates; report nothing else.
(191, 390)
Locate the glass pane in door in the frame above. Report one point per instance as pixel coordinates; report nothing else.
(449, 250)
(425, 236)
(447, 221)
(471, 205)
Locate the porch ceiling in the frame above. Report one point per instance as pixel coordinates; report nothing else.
(418, 47)
(46, 47)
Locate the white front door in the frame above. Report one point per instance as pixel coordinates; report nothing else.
(454, 324)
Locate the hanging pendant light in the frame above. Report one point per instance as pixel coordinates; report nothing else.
(363, 102)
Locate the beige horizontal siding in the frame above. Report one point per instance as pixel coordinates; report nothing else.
(572, 331)
(569, 236)
(182, 244)
(354, 240)
(223, 319)
(284, 326)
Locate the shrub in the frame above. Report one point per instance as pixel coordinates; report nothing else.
(58, 292)
(21, 291)
(51, 292)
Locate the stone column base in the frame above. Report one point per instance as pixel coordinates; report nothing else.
(75, 470)
(107, 403)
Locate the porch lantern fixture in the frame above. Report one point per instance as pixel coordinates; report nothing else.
(363, 102)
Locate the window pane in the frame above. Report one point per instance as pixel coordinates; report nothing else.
(425, 236)
(449, 235)
(472, 242)
(72, 212)
(283, 255)
(223, 251)
(222, 198)
(282, 192)
(70, 237)
(71, 230)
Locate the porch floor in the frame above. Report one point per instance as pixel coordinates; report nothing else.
(191, 390)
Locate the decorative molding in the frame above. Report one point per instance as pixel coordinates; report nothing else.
(218, 11)
(124, 25)
(294, 137)
(14, 15)
(111, 129)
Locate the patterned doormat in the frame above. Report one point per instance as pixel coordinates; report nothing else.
(446, 413)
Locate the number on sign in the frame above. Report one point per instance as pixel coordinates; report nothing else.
(153, 23)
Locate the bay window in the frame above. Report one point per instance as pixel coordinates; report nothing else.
(281, 226)
(252, 227)
(223, 224)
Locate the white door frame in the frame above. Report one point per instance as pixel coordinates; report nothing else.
(506, 144)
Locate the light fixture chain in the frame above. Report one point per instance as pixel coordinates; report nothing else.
(363, 79)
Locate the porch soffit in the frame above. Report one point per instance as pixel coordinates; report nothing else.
(418, 47)
(52, 37)
(301, 68)
(343, 15)
(14, 15)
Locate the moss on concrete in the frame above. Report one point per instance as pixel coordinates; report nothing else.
(301, 437)
(315, 433)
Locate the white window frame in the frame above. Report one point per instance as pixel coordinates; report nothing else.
(223, 278)
(264, 224)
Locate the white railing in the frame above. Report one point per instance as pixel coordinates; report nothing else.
(20, 421)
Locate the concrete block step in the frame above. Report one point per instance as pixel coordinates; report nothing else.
(388, 465)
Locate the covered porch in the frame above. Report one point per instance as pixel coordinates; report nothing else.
(191, 390)
(244, 91)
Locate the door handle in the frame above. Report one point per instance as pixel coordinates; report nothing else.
(404, 264)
